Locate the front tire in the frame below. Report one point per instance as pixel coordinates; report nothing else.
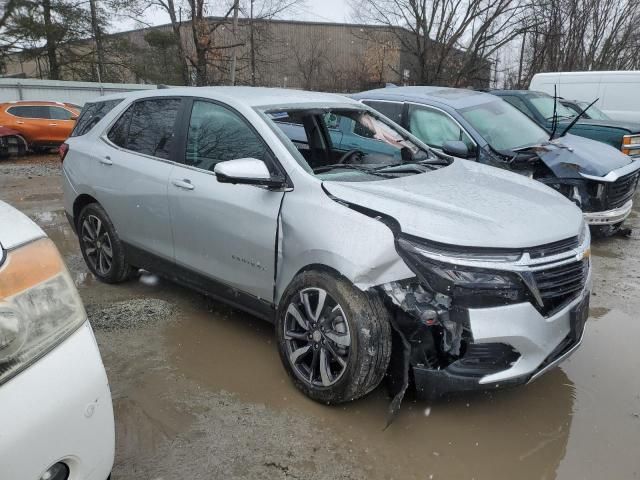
(100, 245)
(334, 340)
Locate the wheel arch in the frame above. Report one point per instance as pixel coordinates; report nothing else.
(79, 203)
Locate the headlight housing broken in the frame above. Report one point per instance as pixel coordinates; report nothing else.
(39, 305)
(468, 286)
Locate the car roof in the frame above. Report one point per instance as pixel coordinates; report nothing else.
(534, 93)
(249, 96)
(457, 98)
(38, 102)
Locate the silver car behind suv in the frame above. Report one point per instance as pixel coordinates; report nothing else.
(381, 258)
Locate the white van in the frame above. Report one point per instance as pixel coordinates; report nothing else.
(618, 92)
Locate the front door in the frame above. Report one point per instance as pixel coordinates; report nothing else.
(224, 232)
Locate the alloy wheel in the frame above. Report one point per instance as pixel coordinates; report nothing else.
(317, 337)
(97, 245)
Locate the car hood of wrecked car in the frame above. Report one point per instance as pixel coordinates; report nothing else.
(468, 204)
(570, 155)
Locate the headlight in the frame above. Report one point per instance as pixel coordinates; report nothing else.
(39, 305)
(466, 285)
(631, 144)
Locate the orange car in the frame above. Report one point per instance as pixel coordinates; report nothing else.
(42, 124)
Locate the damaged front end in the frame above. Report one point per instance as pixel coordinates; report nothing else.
(483, 318)
(431, 319)
(597, 178)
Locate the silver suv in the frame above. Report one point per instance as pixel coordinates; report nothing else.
(372, 256)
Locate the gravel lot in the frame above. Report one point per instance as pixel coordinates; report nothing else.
(199, 392)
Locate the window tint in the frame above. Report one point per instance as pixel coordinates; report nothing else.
(392, 110)
(91, 114)
(151, 130)
(59, 113)
(30, 111)
(118, 133)
(217, 134)
(435, 128)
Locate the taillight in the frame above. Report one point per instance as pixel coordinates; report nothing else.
(62, 151)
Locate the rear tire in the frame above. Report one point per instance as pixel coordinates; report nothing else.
(100, 245)
(334, 340)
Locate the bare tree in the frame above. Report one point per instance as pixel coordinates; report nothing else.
(450, 41)
(571, 35)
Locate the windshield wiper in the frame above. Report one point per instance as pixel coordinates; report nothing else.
(348, 166)
(578, 117)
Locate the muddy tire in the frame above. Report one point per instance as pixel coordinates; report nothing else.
(334, 340)
(100, 245)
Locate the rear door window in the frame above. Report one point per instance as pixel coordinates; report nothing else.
(217, 134)
(392, 110)
(91, 114)
(29, 111)
(59, 113)
(148, 127)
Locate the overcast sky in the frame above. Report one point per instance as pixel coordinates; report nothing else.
(313, 10)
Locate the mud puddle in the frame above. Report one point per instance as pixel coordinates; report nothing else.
(528, 432)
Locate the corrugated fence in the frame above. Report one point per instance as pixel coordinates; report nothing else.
(60, 91)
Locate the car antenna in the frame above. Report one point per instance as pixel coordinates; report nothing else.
(573, 122)
(555, 113)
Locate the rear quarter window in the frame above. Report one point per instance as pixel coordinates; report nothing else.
(91, 114)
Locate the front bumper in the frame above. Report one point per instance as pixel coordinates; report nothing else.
(59, 410)
(542, 343)
(609, 217)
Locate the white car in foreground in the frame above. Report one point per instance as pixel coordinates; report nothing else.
(55, 404)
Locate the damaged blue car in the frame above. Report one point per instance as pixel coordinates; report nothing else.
(478, 126)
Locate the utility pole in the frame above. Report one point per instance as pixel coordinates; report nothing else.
(234, 54)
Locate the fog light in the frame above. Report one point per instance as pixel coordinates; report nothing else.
(59, 471)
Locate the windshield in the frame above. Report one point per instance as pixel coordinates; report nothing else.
(544, 104)
(593, 112)
(352, 144)
(503, 126)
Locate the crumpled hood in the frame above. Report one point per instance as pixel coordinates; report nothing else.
(571, 155)
(469, 204)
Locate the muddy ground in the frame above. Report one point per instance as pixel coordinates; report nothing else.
(199, 391)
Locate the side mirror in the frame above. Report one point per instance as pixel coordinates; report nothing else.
(247, 171)
(456, 148)
(74, 117)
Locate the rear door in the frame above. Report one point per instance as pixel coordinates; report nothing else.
(131, 172)
(61, 123)
(225, 233)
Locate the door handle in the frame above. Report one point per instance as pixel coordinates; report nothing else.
(184, 184)
(53, 124)
(20, 123)
(106, 160)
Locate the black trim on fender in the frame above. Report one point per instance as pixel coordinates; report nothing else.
(201, 283)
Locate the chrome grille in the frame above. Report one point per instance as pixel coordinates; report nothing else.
(622, 190)
(559, 285)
